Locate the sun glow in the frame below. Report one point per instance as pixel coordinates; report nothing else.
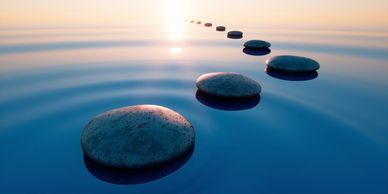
(175, 19)
(175, 50)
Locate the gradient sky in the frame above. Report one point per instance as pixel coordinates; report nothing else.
(323, 13)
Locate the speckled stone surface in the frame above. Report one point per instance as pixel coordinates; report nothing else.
(220, 28)
(226, 84)
(235, 34)
(137, 137)
(208, 24)
(257, 44)
(295, 64)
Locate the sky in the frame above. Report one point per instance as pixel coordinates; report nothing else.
(367, 14)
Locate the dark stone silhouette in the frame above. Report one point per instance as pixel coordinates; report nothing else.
(257, 44)
(220, 28)
(235, 35)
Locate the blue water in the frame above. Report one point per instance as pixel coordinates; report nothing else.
(324, 133)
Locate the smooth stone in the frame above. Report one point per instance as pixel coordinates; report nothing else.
(226, 84)
(295, 64)
(136, 137)
(199, 22)
(257, 44)
(192, 21)
(220, 28)
(208, 24)
(235, 34)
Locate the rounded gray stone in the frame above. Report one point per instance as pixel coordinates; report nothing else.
(208, 24)
(220, 28)
(257, 44)
(235, 34)
(226, 84)
(294, 64)
(137, 137)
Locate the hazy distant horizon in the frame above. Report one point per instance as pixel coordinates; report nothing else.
(340, 14)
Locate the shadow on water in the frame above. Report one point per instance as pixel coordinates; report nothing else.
(257, 52)
(135, 176)
(291, 76)
(228, 104)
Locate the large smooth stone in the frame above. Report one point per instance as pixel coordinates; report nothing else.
(137, 137)
(293, 64)
(235, 34)
(257, 44)
(230, 85)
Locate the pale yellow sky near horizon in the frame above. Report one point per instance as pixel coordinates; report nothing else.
(328, 13)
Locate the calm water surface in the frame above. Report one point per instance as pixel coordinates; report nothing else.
(327, 133)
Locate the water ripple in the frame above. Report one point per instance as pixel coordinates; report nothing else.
(289, 138)
(373, 52)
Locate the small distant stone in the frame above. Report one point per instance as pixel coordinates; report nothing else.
(257, 44)
(229, 85)
(199, 22)
(235, 34)
(220, 28)
(192, 21)
(208, 24)
(137, 137)
(293, 64)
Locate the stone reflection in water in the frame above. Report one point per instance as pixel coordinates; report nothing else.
(228, 104)
(257, 52)
(291, 76)
(135, 176)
